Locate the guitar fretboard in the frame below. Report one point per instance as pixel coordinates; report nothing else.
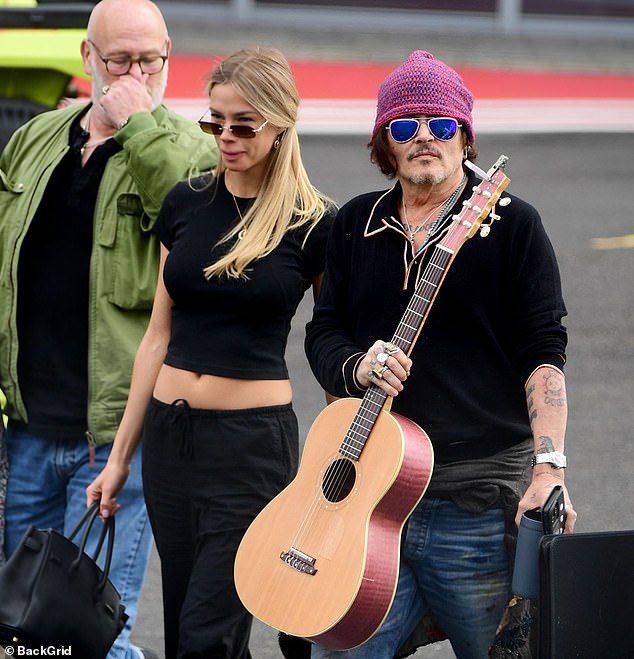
(405, 333)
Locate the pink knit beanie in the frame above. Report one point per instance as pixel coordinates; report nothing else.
(424, 85)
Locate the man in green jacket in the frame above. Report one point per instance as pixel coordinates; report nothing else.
(80, 189)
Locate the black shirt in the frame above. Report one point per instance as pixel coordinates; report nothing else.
(231, 327)
(53, 278)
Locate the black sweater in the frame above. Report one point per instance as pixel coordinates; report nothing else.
(496, 318)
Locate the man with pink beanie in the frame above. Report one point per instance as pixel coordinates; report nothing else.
(484, 378)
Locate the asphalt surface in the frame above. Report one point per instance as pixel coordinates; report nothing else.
(580, 182)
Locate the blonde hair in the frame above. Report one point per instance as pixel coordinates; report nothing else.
(286, 200)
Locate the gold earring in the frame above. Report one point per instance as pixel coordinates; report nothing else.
(276, 144)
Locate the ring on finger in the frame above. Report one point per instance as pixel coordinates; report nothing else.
(382, 357)
(390, 348)
(378, 372)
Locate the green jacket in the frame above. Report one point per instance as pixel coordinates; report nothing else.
(159, 149)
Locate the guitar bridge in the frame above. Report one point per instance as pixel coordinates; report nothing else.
(299, 561)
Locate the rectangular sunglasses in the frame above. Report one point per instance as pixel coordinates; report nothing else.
(404, 130)
(243, 132)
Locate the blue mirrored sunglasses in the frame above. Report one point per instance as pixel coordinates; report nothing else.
(404, 130)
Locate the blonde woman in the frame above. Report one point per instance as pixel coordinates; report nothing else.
(210, 396)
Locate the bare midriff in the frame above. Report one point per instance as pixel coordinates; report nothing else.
(213, 392)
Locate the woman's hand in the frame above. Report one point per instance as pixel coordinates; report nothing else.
(384, 365)
(105, 488)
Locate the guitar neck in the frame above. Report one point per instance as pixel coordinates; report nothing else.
(406, 333)
(418, 308)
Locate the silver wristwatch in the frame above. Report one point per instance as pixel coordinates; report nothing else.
(556, 459)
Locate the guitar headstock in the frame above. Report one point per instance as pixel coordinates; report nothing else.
(477, 208)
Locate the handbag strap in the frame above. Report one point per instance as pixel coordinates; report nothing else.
(87, 521)
(90, 514)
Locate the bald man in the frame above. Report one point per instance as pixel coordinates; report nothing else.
(80, 188)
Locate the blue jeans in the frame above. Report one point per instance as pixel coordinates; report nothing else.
(47, 489)
(4, 470)
(454, 563)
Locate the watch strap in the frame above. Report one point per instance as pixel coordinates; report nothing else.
(555, 458)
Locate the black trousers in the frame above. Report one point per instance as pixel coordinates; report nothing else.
(206, 475)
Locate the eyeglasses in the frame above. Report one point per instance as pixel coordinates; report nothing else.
(119, 65)
(404, 130)
(240, 131)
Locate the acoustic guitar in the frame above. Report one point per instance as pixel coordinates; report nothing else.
(321, 560)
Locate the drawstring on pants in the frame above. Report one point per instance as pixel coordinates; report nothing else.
(178, 419)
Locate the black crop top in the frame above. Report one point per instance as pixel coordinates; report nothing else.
(228, 327)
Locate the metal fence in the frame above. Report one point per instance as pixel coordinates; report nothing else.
(595, 18)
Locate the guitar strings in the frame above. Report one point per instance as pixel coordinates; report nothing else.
(422, 294)
(334, 482)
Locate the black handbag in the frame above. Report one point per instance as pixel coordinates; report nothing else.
(52, 594)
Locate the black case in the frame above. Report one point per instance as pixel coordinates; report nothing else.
(586, 596)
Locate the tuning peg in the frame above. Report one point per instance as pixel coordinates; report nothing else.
(485, 229)
(505, 201)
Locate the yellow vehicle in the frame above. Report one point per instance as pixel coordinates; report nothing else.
(39, 57)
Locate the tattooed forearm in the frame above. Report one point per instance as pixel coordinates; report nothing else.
(548, 414)
(546, 391)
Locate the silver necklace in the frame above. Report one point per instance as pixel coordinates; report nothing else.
(425, 225)
(431, 227)
(235, 201)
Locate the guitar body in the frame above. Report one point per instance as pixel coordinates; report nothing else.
(321, 560)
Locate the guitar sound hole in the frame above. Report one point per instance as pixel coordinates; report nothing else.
(339, 480)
